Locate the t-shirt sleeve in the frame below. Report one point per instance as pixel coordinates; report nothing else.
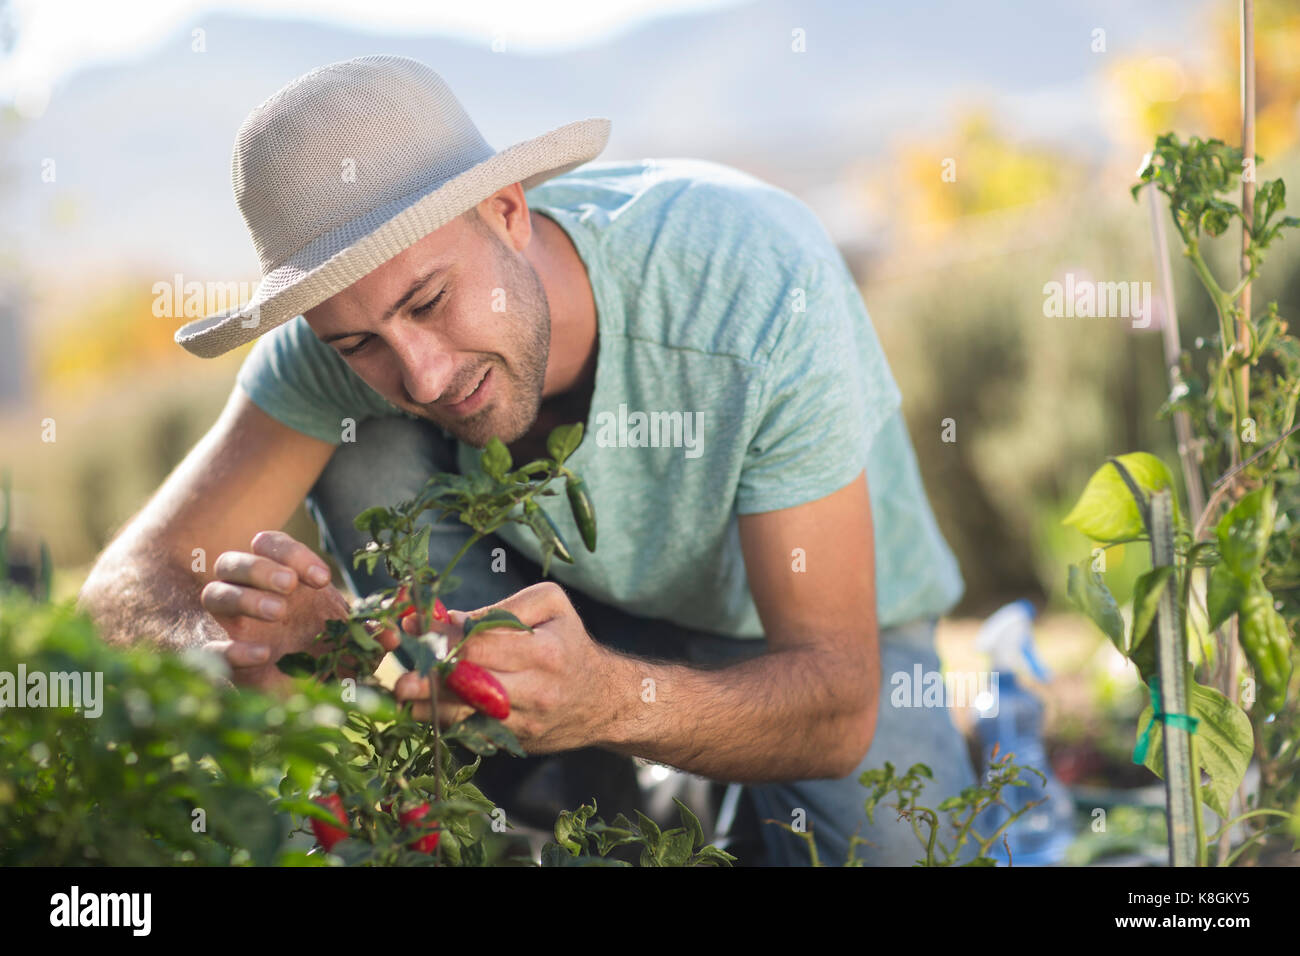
(825, 393)
(299, 380)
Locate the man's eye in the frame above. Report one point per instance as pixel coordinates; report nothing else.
(430, 304)
(358, 347)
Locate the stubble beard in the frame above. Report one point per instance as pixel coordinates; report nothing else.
(518, 388)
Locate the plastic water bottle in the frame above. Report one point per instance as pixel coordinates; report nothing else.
(1015, 723)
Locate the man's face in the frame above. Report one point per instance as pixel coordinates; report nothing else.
(456, 329)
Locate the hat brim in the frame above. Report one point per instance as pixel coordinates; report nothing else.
(332, 262)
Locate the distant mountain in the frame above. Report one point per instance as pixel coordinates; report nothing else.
(142, 148)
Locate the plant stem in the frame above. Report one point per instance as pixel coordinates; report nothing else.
(1246, 816)
(1248, 182)
(1224, 308)
(469, 543)
(1202, 856)
(1276, 828)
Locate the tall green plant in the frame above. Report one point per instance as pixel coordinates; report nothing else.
(1248, 538)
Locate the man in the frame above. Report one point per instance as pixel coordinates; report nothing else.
(762, 554)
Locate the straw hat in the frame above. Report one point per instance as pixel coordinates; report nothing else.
(349, 165)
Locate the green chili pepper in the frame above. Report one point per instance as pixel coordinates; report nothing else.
(584, 515)
(546, 532)
(1267, 644)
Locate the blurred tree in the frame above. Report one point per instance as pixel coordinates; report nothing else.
(1157, 94)
(974, 171)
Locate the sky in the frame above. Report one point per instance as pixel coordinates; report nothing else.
(55, 37)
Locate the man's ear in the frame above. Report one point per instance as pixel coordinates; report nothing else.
(504, 216)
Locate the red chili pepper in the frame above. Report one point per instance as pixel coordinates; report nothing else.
(327, 835)
(427, 843)
(478, 688)
(439, 609)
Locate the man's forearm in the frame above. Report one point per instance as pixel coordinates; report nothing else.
(138, 598)
(794, 714)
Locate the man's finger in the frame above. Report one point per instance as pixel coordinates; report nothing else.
(413, 689)
(282, 548)
(386, 636)
(533, 605)
(240, 654)
(222, 599)
(241, 567)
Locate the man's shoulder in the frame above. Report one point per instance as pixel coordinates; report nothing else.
(704, 256)
(705, 197)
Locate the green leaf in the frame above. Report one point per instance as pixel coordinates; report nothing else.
(464, 774)
(1223, 596)
(1089, 593)
(1224, 744)
(421, 652)
(648, 826)
(474, 795)
(483, 735)
(374, 520)
(553, 855)
(1146, 601)
(300, 664)
(710, 855)
(1106, 510)
(496, 459)
(563, 441)
(691, 823)
(495, 618)
(1244, 532)
(674, 847)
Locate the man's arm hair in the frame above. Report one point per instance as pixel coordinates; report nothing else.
(147, 598)
(246, 475)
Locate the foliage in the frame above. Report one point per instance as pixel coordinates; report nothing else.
(963, 810)
(398, 760)
(180, 767)
(582, 841)
(175, 769)
(1240, 394)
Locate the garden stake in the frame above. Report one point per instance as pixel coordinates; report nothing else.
(1182, 802)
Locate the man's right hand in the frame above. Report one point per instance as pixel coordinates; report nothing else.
(271, 601)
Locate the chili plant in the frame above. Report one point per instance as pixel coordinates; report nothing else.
(581, 842)
(405, 798)
(1247, 540)
(964, 811)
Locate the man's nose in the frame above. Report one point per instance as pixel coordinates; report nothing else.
(427, 366)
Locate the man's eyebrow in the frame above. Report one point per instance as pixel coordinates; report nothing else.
(420, 282)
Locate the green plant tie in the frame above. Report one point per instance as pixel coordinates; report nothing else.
(1186, 721)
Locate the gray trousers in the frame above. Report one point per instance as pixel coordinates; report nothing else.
(391, 460)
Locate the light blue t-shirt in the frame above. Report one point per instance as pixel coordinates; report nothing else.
(737, 372)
